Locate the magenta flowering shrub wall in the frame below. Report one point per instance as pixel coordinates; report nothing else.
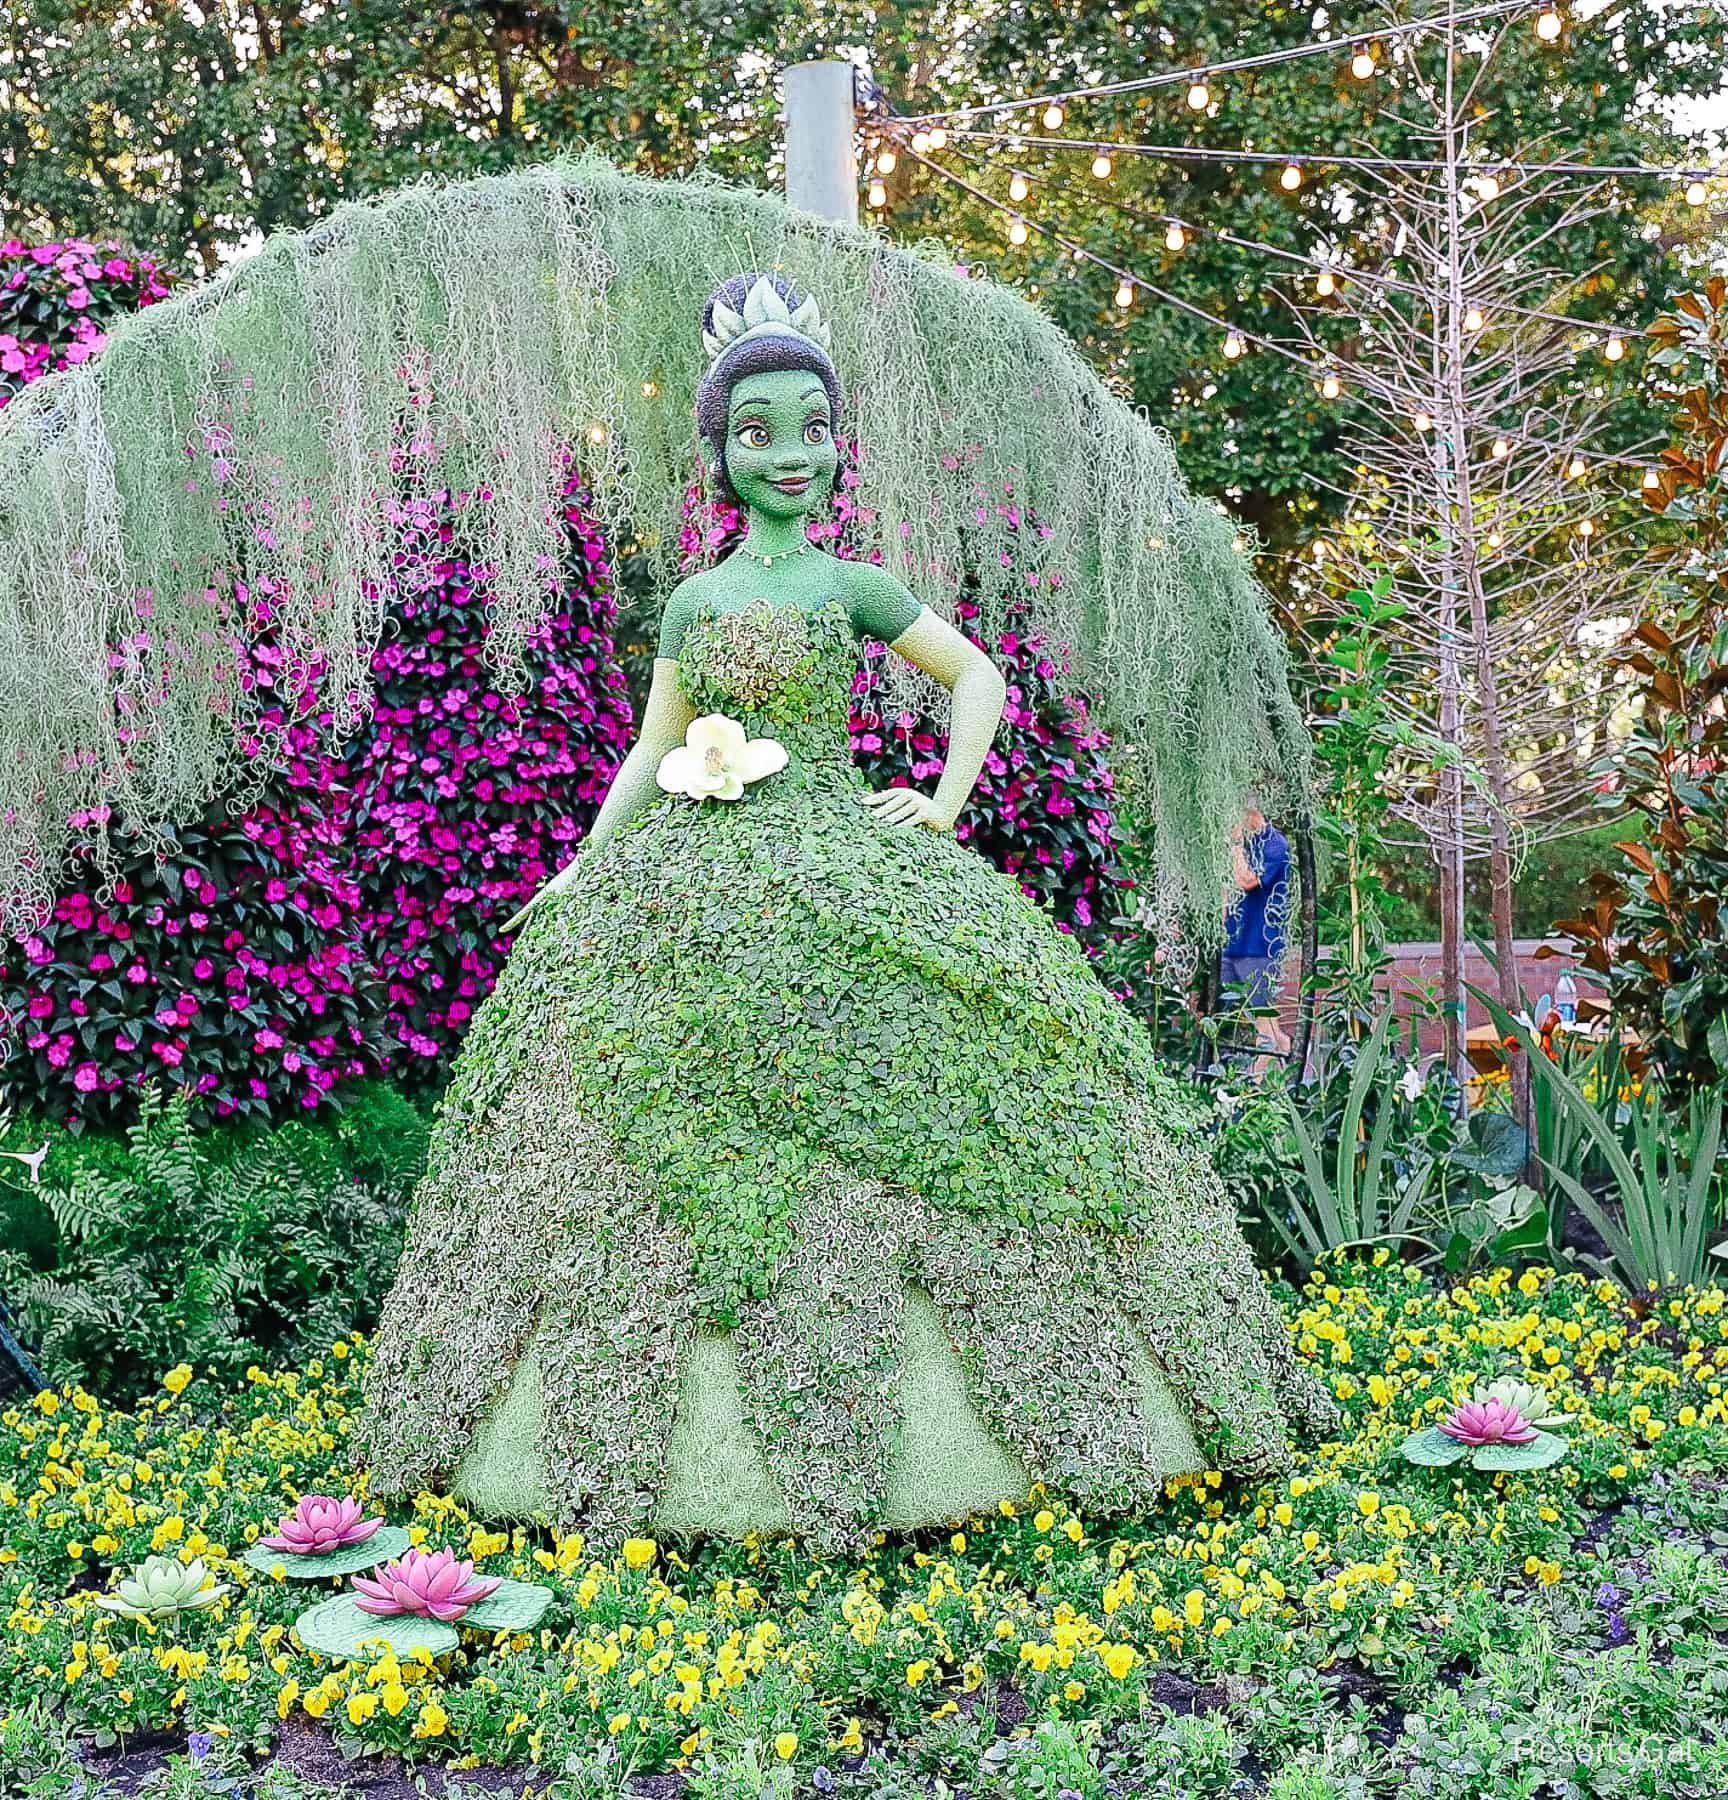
(465, 798)
(55, 300)
(1041, 810)
(347, 920)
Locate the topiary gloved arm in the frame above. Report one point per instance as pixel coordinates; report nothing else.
(665, 719)
(979, 691)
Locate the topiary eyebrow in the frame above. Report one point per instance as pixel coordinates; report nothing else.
(763, 400)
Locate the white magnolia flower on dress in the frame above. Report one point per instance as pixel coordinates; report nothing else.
(716, 760)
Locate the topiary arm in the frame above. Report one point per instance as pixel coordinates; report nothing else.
(665, 719)
(933, 645)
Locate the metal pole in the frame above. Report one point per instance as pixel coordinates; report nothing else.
(821, 119)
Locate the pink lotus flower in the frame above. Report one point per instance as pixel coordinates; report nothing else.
(1477, 1422)
(431, 1584)
(320, 1524)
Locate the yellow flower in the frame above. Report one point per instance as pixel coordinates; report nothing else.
(1074, 1530)
(640, 1552)
(619, 1722)
(361, 1707)
(316, 1704)
(432, 1720)
(1194, 1606)
(1369, 1504)
(917, 1671)
(786, 1745)
(286, 1698)
(1044, 1520)
(395, 1698)
(178, 1379)
(1119, 1659)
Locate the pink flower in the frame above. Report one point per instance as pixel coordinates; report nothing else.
(1477, 1422)
(320, 1524)
(428, 1584)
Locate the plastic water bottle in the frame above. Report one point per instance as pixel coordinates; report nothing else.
(1566, 997)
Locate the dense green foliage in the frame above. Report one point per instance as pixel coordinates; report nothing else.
(224, 1247)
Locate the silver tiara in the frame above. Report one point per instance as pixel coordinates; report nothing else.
(765, 311)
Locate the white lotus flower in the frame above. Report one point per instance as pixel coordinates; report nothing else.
(716, 760)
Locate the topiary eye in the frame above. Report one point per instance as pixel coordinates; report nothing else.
(753, 435)
(816, 432)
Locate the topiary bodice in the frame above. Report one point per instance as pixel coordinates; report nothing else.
(773, 1073)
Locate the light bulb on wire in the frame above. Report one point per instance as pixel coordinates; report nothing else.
(1695, 193)
(1362, 64)
(1548, 25)
(938, 138)
(885, 163)
(1652, 481)
(1487, 187)
(1586, 527)
(1124, 292)
(920, 141)
(1199, 96)
(1175, 237)
(1291, 178)
(1017, 232)
(1330, 386)
(1325, 284)
(1053, 117)
(1018, 187)
(1233, 345)
(878, 195)
(1499, 449)
(1101, 166)
(1473, 320)
(1615, 348)
(1575, 469)
(1423, 422)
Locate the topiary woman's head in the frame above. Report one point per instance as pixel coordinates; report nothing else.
(768, 404)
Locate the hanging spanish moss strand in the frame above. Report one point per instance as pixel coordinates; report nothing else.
(266, 437)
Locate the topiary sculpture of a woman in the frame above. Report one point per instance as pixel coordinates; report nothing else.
(799, 1173)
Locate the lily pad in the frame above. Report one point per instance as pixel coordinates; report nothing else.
(338, 1628)
(512, 1606)
(1541, 1452)
(387, 1541)
(1433, 1449)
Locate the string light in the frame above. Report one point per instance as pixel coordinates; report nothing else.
(1175, 238)
(1362, 64)
(1575, 468)
(1199, 97)
(1548, 25)
(649, 390)
(1017, 232)
(1422, 422)
(1331, 387)
(1495, 540)
(1473, 320)
(1499, 449)
(1652, 481)
(1488, 187)
(938, 138)
(1614, 349)
(1586, 527)
(1101, 166)
(878, 195)
(885, 163)
(1291, 179)
(1233, 346)
(1018, 187)
(1124, 292)
(1325, 284)
(1053, 117)
(920, 141)
(1695, 193)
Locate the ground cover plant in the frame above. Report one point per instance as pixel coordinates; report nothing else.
(1362, 1626)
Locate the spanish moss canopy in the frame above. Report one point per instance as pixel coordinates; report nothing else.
(268, 441)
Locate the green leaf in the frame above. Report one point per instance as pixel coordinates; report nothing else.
(338, 1628)
(387, 1541)
(512, 1606)
(1497, 1145)
(1541, 1452)
(1432, 1449)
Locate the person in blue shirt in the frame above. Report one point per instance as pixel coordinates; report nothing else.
(1254, 925)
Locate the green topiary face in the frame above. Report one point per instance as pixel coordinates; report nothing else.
(780, 451)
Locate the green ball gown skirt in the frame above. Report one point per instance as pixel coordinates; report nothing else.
(800, 1174)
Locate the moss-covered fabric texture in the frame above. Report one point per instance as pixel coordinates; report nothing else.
(799, 1172)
